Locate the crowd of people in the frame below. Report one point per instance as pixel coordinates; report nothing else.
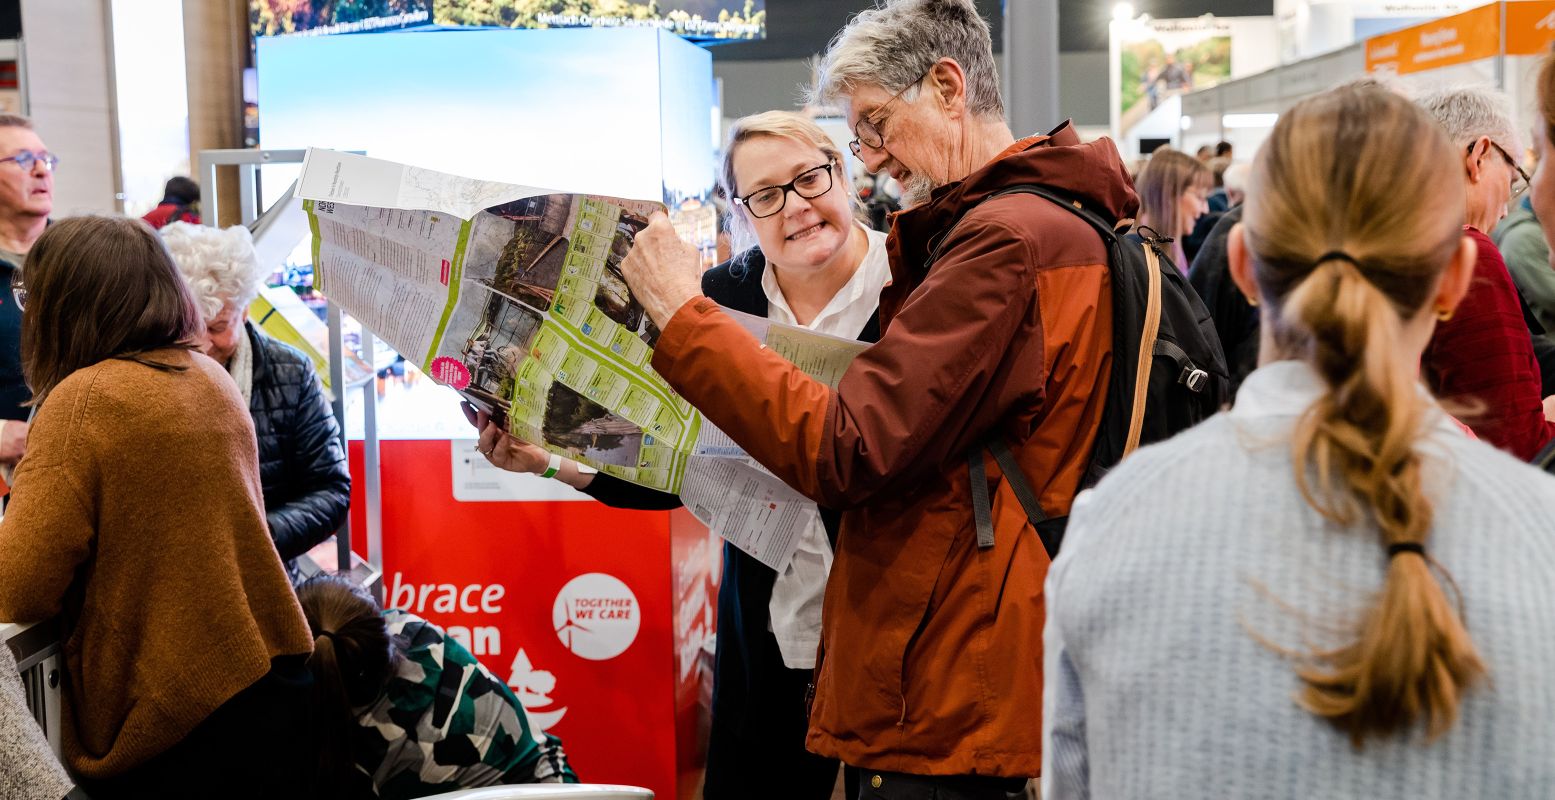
(1333, 587)
(172, 463)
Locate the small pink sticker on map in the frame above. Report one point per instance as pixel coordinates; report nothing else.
(451, 371)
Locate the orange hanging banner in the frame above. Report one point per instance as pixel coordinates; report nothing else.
(1530, 27)
(1459, 39)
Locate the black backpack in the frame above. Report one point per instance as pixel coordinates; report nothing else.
(1168, 371)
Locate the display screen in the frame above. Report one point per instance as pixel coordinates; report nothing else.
(486, 104)
(710, 20)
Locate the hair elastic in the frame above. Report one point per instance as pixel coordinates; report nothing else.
(1406, 547)
(1335, 255)
(330, 635)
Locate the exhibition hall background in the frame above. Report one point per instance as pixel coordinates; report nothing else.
(601, 620)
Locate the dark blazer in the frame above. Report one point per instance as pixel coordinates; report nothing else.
(758, 702)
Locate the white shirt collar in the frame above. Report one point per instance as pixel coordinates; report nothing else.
(1289, 388)
(848, 312)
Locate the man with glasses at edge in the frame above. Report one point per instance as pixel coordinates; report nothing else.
(929, 678)
(1482, 357)
(26, 200)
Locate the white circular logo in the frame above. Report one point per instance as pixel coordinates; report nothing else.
(596, 616)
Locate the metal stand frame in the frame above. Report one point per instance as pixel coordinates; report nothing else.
(248, 163)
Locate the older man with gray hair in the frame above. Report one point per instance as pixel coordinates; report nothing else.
(996, 332)
(1482, 356)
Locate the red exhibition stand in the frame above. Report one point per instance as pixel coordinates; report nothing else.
(601, 620)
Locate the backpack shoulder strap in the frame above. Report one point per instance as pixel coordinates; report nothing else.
(1147, 342)
(1544, 459)
(982, 504)
(1110, 233)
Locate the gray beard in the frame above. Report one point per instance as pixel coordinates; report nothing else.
(915, 191)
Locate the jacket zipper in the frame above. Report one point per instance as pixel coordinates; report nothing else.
(815, 678)
(901, 721)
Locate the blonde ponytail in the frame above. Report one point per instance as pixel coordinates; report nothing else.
(1346, 253)
(1355, 456)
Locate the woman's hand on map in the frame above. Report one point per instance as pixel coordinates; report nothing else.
(663, 270)
(506, 451)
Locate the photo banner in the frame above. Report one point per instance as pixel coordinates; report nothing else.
(702, 20)
(1161, 58)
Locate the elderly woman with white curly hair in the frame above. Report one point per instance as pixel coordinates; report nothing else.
(302, 465)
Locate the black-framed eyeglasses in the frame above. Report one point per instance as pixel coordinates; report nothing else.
(867, 132)
(26, 159)
(769, 200)
(19, 292)
(1519, 183)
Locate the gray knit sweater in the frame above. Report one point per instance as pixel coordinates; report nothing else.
(28, 769)
(1156, 686)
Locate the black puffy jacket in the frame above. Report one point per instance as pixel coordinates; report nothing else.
(301, 463)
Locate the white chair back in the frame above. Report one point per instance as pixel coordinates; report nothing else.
(550, 791)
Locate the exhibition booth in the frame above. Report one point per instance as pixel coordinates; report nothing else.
(600, 620)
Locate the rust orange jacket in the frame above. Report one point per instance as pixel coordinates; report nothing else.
(932, 648)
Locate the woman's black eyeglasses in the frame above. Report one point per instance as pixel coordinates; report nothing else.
(810, 184)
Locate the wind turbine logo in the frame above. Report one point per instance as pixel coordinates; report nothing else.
(596, 616)
(569, 625)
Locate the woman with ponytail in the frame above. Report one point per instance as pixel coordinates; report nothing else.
(1328, 590)
(388, 727)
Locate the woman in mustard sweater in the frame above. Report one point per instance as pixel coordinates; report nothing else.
(136, 516)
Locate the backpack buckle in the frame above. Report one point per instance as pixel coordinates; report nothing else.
(1193, 378)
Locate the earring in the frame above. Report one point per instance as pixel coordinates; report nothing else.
(1444, 314)
(1252, 300)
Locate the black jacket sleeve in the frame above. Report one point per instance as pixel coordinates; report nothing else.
(617, 493)
(1236, 320)
(319, 473)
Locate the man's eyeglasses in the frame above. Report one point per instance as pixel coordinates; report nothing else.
(867, 132)
(19, 291)
(810, 184)
(26, 159)
(1519, 183)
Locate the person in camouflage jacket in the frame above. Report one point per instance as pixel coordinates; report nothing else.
(425, 717)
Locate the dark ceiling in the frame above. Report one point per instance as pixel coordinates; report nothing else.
(801, 28)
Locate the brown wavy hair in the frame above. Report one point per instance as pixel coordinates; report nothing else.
(100, 288)
(353, 659)
(1366, 173)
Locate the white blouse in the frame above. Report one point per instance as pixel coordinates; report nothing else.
(796, 596)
